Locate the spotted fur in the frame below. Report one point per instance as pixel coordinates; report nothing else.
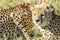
(46, 20)
(18, 16)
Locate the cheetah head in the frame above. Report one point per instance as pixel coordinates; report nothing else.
(43, 14)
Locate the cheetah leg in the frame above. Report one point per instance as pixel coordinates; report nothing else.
(4, 37)
(45, 33)
(26, 34)
(15, 37)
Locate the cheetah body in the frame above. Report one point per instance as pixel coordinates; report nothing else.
(19, 16)
(7, 26)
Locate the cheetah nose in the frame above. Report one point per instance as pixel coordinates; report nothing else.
(37, 20)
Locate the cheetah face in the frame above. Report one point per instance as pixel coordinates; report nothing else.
(43, 14)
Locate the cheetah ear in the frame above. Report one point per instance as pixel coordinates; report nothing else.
(53, 9)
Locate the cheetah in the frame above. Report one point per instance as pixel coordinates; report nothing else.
(47, 21)
(18, 16)
(22, 17)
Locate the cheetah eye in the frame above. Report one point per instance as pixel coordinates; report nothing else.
(47, 7)
(13, 14)
(42, 14)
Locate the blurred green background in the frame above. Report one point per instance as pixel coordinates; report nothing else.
(5, 4)
(11, 3)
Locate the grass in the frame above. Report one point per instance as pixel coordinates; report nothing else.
(4, 4)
